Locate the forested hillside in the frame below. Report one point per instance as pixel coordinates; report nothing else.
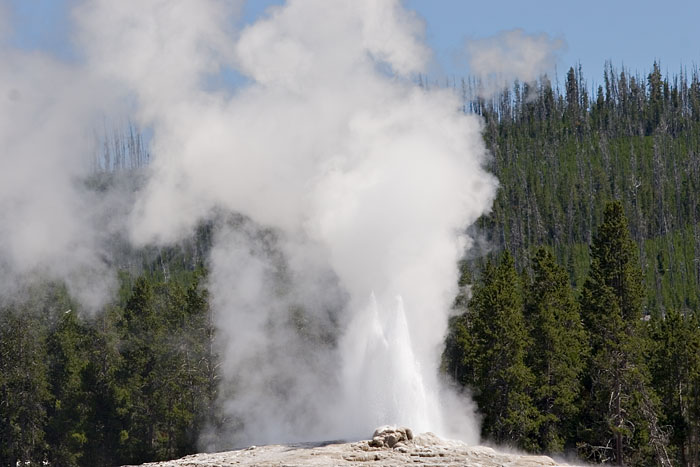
(136, 382)
(593, 349)
(553, 373)
(575, 329)
(560, 155)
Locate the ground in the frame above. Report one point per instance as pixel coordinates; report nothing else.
(424, 449)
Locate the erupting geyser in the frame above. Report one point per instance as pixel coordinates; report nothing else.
(381, 373)
(352, 180)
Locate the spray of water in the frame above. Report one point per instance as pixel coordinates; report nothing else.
(382, 375)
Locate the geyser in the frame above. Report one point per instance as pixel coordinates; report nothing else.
(381, 374)
(355, 184)
(367, 180)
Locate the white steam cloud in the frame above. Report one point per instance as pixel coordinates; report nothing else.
(353, 186)
(47, 223)
(501, 59)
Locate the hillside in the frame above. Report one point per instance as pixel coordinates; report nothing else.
(561, 152)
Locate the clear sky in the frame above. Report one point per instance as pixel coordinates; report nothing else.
(633, 33)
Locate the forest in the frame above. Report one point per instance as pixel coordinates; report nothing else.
(575, 330)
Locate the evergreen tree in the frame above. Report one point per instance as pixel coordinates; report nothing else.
(558, 350)
(24, 391)
(67, 431)
(559, 158)
(106, 397)
(167, 375)
(175, 376)
(201, 359)
(621, 410)
(676, 376)
(499, 339)
(138, 328)
(458, 357)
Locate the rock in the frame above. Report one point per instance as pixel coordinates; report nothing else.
(389, 446)
(389, 436)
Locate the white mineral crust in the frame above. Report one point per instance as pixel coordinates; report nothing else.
(425, 449)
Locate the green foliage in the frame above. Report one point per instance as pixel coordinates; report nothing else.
(519, 344)
(550, 374)
(675, 366)
(558, 351)
(559, 158)
(136, 382)
(499, 340)
(613, 294)
(167, 376)
(458, 356)
(67, 414)
(24, 391)
(622, 411)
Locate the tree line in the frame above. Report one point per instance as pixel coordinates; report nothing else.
(135, 383)
(552, 370)
(561, 150)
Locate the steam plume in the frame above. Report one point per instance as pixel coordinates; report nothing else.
(352, 184)
(511, 55)
(47, 223)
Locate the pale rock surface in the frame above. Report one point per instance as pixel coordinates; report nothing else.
(389, 446)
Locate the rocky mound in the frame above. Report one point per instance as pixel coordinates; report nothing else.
(389, 446)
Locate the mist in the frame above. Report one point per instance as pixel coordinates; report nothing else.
(48, 219)
(512, 55)
(346, 191)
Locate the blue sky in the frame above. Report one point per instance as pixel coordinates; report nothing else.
(633, 33)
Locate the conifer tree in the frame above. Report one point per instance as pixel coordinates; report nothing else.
(66, 431)
(167, 369)
(676, 375)
(502, 381)
(106, 397)
(201, 359)
(23, 388)
(558, 350)
(139, 328)
(457, 358)
(621, 423)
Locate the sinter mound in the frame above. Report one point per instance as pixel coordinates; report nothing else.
(389, 446)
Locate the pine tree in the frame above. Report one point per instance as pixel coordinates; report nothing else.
(621, 409)
(24, 390)
(201, 358)
(66, 431)
(106, 396)
(457, 358)
(138, 329)
(656, 99)
(676, 376)
(500, 340)
(166, 375)
(558, 350)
